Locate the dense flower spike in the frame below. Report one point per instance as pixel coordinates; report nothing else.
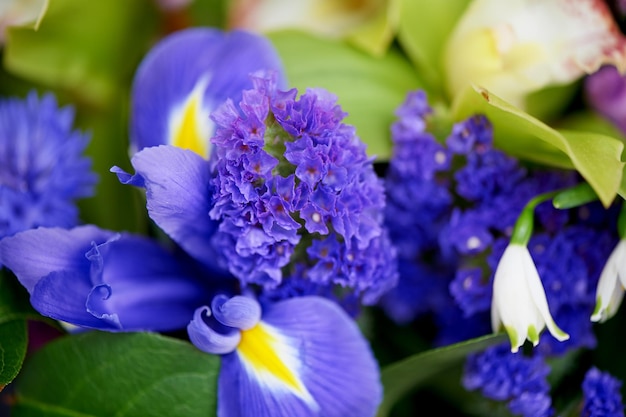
(294, 185)
(90, 277)
(602, 397)
(519, 380)
(42, 167)
(297, 357)
(185, 77)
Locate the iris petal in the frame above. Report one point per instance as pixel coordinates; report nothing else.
(186, 76)
(178, 196)
(306, 358)
(33, 254)
(207, 339)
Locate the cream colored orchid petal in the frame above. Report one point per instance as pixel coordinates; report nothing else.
(531, 44)
(326, 17)
(610, 291)
(21, 12)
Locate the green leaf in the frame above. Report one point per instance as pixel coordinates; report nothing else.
(86, 47)
(368, 88)
(597, 157)
(13, 344)
(423, 30)
(14, 299)
(375, 35)
(110, 374)
(405, 375)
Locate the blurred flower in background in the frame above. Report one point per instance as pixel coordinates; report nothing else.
(20, 12)
(519, 47)
(43, 169)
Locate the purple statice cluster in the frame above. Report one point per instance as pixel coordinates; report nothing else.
(452, 204)
(514, 378)
(43, 170)
(299, 205)
(601, 395)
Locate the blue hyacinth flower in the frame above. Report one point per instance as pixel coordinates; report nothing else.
(186, 76)
(42, 167)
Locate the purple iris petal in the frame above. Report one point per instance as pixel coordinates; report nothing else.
(205, 338)
(238, 311)
(99, 279)
(327, 354)
(32, 255)
(178, 196)
(175, 66)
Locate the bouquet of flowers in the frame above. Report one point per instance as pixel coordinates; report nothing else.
(314, 208)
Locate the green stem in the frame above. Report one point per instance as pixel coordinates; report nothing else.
(525, 222)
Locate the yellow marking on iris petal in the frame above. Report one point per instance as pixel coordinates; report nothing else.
(257, 347)
(188, 135)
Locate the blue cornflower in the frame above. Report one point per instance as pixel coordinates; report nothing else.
(42, 167)
(512, 377)
(602, 396)
(286, 168)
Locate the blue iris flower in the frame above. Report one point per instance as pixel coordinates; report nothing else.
(301, 356)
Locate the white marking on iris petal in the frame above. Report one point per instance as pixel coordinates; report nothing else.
(204, 126)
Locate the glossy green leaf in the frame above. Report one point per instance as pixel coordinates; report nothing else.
(15, 309)
(423, 30)
(368, 88)
(408, 374)
(13, 344)
(14, 299)
(83, 46)
(526, 137)
(107, 374)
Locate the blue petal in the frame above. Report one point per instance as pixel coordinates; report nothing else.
(178, 196)
(209, 340)
(204, 63)
(239, 311)
(142, 286)
(99, 279)
(327, 366)
(33, 254)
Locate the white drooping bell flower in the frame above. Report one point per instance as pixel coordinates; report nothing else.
(519, 303)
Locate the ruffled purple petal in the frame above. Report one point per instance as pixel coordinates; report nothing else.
(327, 366)
(34, 254)
(143, 286)
(208, 63)
(178, 196)
(61, 295)
(104, 280)
(205, 338)
(239, 312)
